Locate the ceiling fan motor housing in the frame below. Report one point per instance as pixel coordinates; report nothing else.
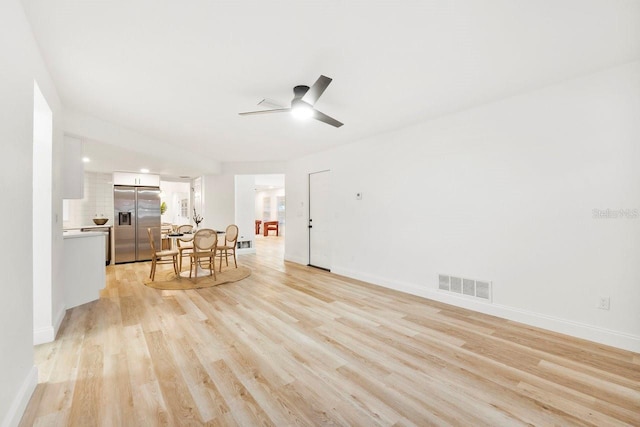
(299, 91)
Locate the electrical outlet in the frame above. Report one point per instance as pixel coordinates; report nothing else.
(604, 303)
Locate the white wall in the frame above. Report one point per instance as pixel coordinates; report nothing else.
(73, 168)
(219, 191)
(244, 208)
(197, 196)
(21, 65)
(97, 201)
(504, 192)
(43, 324)
(172, 193)
(219, 201)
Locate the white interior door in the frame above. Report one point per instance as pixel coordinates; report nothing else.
(319, 220)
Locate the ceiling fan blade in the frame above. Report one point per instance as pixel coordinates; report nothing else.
(326, 119)
(279, 110)
(270, 103)
(316, 90)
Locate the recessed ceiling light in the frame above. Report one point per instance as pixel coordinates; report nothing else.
(86, 160)
(143, 170)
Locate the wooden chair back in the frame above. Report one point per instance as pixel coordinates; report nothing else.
(231, 235)
(152, 242)
(185, 228)
(205, 240)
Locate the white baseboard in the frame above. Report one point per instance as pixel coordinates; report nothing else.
(297, 260)
(48, 333)
(43, 335)
(576, 329)
(246, 251)
(19, 404)
(57, 321)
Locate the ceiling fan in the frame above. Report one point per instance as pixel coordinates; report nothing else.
(304, 98)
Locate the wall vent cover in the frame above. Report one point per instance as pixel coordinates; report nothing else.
(480, 289)
(443, 282)
(456, 284)
(483, 290)
(469, 287)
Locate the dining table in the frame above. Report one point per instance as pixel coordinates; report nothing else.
(188, 237)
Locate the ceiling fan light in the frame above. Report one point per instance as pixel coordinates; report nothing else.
(302, 111)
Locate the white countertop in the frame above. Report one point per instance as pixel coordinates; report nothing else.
(74, 234)
(88, 226)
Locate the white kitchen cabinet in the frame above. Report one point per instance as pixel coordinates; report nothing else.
(137, 179)
(125, 178)
(83, 267)
(149, 180)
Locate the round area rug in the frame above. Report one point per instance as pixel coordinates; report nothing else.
(167, 280)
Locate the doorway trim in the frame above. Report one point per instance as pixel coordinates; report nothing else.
(309, 219)
(44, 324)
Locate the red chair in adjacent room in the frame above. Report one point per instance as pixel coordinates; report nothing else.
(270, 226)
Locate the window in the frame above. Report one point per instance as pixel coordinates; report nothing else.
(266, 208)
(184, 208)
(281, 209)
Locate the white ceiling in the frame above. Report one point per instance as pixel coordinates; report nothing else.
(269, 182)
(105, 157)
(179, 72)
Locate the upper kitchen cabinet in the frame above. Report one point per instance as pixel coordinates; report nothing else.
(136, 179)
(73, 169)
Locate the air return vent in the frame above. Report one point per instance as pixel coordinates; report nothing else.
(480, 289)
(456, 284)
(443, 282)
(469, 287)
(483, 290)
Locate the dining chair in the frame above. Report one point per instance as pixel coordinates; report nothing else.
(204, 247)
(165, 229)
(271, 226)
(185, 245)
(157, 256)
(230, 242)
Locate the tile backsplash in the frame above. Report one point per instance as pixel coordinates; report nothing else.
(98, 200)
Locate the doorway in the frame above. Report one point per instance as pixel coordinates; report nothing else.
(319, 220)
(270, 216)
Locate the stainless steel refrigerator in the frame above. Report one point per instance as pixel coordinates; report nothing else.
(135, 210)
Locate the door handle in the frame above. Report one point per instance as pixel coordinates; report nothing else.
(310, 226)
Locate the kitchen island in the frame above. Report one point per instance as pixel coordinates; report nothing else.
(102, 228)
(83, 266)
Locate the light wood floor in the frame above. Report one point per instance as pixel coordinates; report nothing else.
(293, 345)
